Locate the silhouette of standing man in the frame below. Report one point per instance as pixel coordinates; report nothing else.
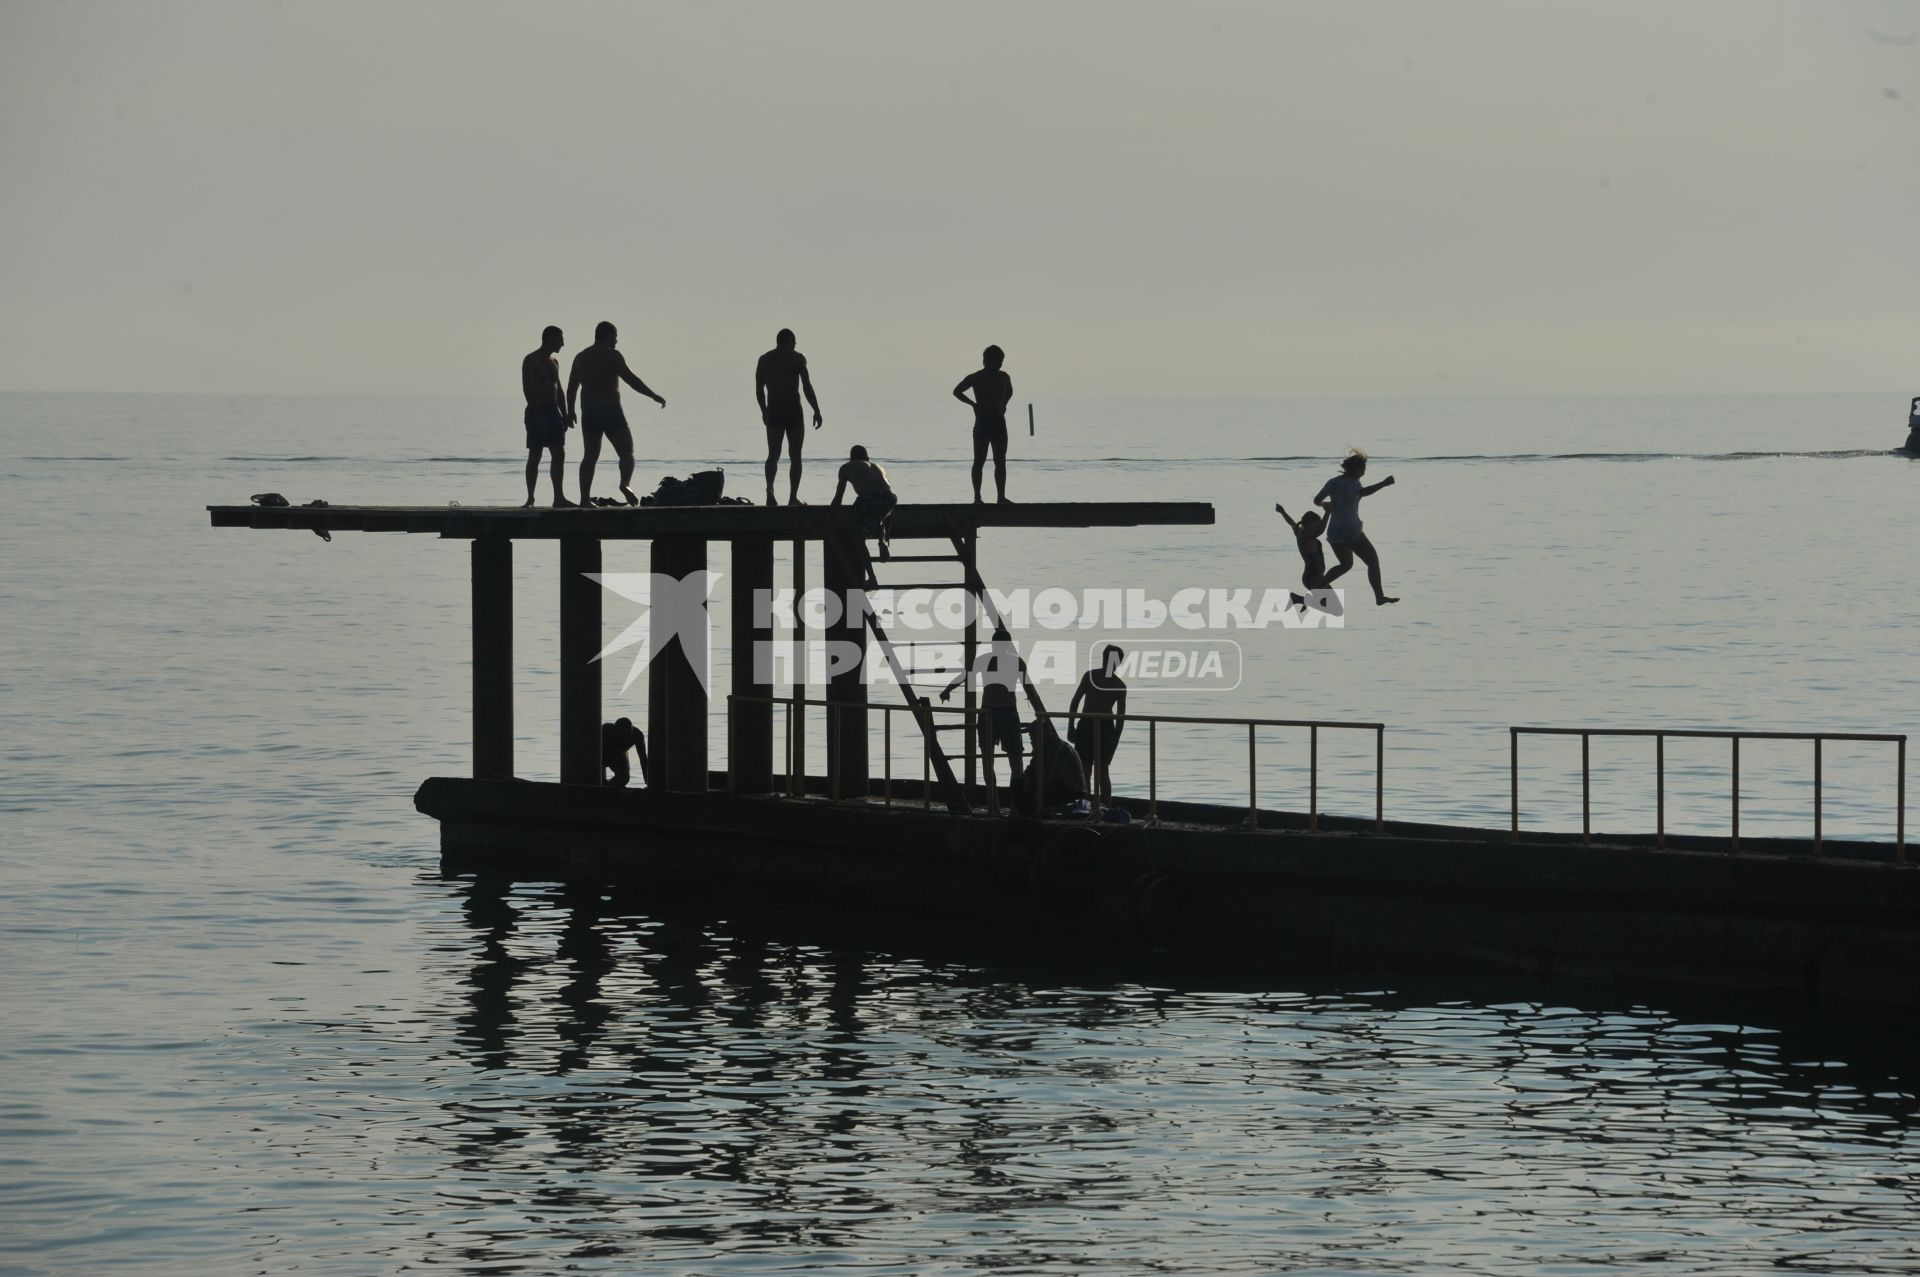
(778, 379)
(992, 392)
(595, 385)
(547, 416)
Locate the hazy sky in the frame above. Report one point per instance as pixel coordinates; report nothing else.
(1399, 197)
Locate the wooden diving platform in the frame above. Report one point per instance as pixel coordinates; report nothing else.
(707, 522)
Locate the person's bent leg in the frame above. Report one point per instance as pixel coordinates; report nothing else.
(1371, 557)
(1345, 554)
(623, 445)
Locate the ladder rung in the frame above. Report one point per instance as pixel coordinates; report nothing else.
(920, 558)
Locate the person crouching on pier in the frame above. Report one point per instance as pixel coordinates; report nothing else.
(616, 738)
(1101, 705)
(999, 668)
(873, 499)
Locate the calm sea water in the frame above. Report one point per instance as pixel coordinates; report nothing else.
(246, 1026)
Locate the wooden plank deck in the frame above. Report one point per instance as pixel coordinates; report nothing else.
(717, 523)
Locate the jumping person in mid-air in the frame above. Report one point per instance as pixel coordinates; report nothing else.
(992, 392)
(547, 417)
(1313, 562)
(778, 380)
(1340, 497)
(595, 386)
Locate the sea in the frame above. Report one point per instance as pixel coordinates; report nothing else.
(249, 1025)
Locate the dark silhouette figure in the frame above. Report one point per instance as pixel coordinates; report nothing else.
(595, 386)
(1340, 496)
(1101, 705)
(873, 499)
(616, 738)
(999, 668)
(1057, 764)
(778, 380)
(1313, 562)
(1913, 425)
(992, 392)
(547, 416)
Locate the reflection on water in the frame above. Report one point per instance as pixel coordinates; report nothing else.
(690, 1095)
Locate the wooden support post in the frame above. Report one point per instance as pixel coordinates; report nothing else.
(750, 745)
(797, 744)
(492, 658)
(579, 673)
(676, 698)
(969, 649)
(847, 689)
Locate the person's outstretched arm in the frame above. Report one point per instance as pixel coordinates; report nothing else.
(806, 384)
(1384, 483)
(947, 691)
(1289, 518)
(626, 375)
(966, 384)
(1320, 498)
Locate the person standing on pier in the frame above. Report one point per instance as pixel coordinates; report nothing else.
(1101, 703)
(992, 392)
(1340, 496)
(547, 416)
(778, 380)
(595, 386)
(999, 668)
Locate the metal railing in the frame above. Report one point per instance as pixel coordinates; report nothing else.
(796, 723)
(1660, 736)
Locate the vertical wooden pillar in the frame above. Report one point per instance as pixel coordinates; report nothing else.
(676, 698)
(493, 658)
(579, 673)
(969, 651)
(797, 747)
(750, 743)
(847, 689)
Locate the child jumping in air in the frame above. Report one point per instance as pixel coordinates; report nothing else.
(1313, 560)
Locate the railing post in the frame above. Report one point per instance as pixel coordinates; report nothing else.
(786, 764)
(836, 722)
(926, 764)
(1735, 846)
(1380, 778)
(1513, 776)
(1660, 789)
(1253, 791)
(1816, 795)
(732, 787)
(1153, 770)
(886, 736)
(1900, 807)
(1040, 772)
(1586, 790)
(1313, 778)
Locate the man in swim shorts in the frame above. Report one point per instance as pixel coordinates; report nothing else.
(547, 417)
(778, 381)
(992, 392)
(595, 386)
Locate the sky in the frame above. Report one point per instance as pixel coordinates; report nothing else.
(1395, 197)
